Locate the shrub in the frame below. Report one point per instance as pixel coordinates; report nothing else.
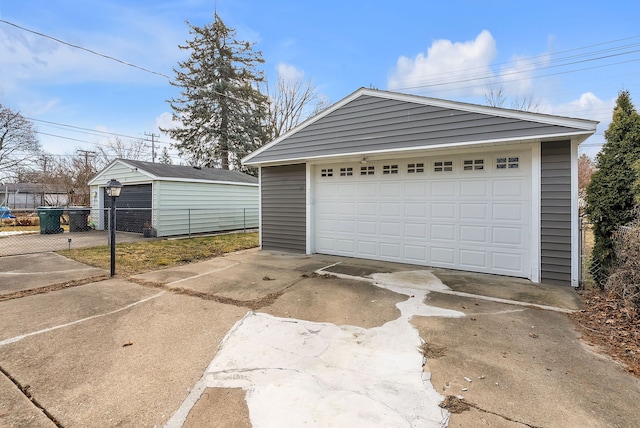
(27, 221)
(624, 282)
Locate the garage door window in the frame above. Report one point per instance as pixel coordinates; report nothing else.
(415, 168)
(511, 162)
(346, 172)
(389, 169)
(367, 170)
(326, 172)
(443, 166)
(473, 165)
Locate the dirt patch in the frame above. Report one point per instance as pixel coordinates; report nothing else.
(611, 326)
(431, 350)
(253, 304)
(53, 287)
(455, 404)
(351, 270)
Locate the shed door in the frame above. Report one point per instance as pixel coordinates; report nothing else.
(466, 212)
(133, 207)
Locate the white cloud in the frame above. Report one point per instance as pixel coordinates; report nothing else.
(447, 65)
(166, 121)
(289, 73)
(144, 41)
(589, 106)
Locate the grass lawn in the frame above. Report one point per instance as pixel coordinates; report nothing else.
(36, 228)
(143, 256)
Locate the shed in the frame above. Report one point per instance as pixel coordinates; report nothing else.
(175, 199)
(404, 178)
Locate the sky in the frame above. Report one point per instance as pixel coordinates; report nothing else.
(569, 58)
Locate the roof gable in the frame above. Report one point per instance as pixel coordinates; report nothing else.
(372, 121)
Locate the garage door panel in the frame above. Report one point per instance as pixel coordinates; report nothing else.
(347, 226)
(415, 230)
(443, 255)
(507, 236)
(474, 211)
(415, 190)
(390, 250)
(367, 190)
(415, 253)
(347, 208)
(513, 212)
(511, 263)
(509, 188)
(443, 210)
(346, 190)
(367, 248)
(476, 189)
(391, 190)
(475, 259)
(443, 189)
(392, 209)
(326, 245)
(390, 229)
(367, 208)
(346, 246)
(415, 209)
(476, 220)
(474, 234)
(443, 232)
(367, 227)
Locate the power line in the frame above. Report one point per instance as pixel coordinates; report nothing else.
(85, 49)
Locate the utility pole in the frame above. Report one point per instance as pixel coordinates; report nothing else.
(153, 145)
(86, 156)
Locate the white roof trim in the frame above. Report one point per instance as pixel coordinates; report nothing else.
(584, 124)
(430, 147)
(157, 178)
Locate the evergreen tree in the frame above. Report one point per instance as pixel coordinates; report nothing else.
(165, 158)
(220, 107)
(610, 196)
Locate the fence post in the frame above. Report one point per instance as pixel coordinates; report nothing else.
(244, 220)
(189, 220)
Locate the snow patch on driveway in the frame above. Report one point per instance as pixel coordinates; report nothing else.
(302, 373)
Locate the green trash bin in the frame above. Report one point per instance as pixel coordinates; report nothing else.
(50, 220)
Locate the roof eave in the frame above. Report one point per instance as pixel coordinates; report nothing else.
(579, 136)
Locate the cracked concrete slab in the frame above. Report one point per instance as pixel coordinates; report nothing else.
(297, 372)
(525, 365)
(25, 272)
(16, 410)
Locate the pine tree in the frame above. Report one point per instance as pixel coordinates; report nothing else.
(220, 107)
(165, 158)
(610, 196)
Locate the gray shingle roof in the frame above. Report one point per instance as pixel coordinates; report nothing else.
(163, 171)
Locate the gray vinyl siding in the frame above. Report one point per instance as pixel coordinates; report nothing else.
(555, 212)
(284, 215)
(369, 124)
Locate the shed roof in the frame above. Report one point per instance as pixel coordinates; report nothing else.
(371, 121)
(159, 171)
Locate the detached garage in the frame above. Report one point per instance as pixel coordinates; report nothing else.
(403, 178)
(176, 200)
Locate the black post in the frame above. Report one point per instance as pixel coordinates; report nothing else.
(112, 223)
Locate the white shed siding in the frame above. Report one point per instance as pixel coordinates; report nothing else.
(186, 208)
(123, 174)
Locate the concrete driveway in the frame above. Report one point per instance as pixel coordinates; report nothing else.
(270, 339)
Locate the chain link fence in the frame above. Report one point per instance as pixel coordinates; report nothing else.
(63, 228)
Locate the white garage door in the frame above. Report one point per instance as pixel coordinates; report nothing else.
(467, 212)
